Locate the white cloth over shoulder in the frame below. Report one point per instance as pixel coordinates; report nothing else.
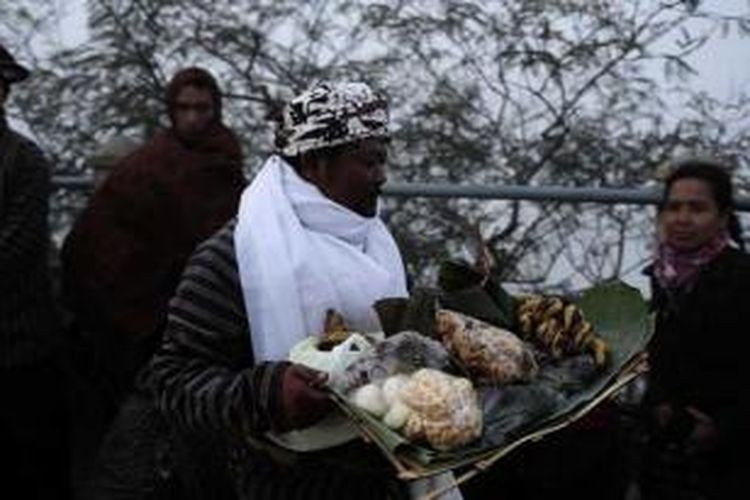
(300, 253)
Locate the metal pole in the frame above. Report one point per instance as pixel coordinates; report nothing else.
(75, 182)
(529, 193)
(536, 193)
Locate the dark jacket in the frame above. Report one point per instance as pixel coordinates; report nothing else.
(123, 258)
(28, 320)
(699, 354)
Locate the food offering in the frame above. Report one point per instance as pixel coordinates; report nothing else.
(492, 355)
(464, 376)
(428, 406)
(408, 382)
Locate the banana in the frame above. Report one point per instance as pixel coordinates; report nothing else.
(531, 301)
(600, 351)
(583, 333)
(553, 329)
(570, 314)
(554, 306)
(541, 330)
(541, 312)
(559, 327)
(556, 343)
(525, 322)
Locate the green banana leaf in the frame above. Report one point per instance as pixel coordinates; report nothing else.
(562, 393)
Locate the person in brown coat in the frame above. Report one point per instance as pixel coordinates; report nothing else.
(124, 256)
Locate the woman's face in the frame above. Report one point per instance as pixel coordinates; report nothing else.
(691, 218)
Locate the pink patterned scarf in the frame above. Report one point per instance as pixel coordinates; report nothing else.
(676, 269)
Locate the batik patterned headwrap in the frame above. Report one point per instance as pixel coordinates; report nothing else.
(331, 114)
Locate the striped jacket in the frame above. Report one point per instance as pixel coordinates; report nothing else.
(206, 383)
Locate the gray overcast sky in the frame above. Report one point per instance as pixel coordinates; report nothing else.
(723, 63)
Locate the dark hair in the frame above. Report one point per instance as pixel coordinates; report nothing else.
(719, 181)
(193, 77)
(5, 86)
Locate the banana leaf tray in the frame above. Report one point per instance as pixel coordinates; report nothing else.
(516, 415)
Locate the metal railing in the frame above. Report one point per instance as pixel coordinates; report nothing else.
(537, 193)
(74, 182)
(508, 192)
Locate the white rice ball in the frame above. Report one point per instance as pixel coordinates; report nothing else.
(397, 416)
(370, 398)
(392, 388)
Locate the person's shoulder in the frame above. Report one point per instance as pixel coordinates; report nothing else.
(222, 240)
(231, 143)
(27, 148)
(737, 265)
(219, 247)
(147, 150)
(140, 165)
(743, 259)
(736, 257)
(214, 259)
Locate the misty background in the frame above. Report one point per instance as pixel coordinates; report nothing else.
(560, 92)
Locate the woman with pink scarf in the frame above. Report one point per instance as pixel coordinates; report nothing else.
(697, 408)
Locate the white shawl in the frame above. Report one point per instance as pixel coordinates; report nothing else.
(299, 254)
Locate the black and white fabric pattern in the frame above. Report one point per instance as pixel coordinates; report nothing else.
(330, 114)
